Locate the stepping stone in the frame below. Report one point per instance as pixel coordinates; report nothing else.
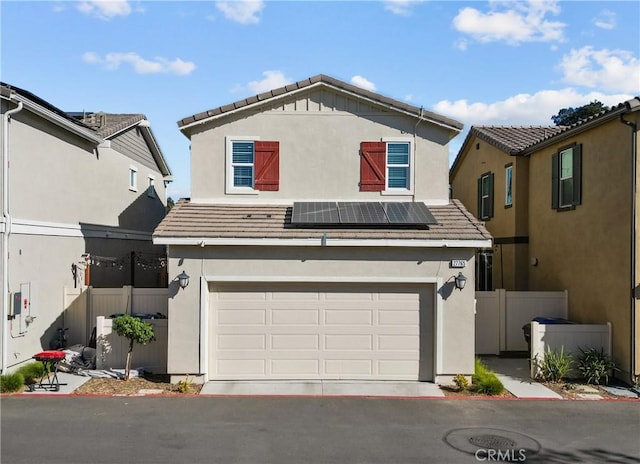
(150, 391)
(589, 396)
(586, 389)
(617, 391)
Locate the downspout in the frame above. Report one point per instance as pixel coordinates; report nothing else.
(6, 218)
(634, 220)
(415, 155)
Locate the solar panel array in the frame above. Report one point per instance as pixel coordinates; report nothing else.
(361, 214)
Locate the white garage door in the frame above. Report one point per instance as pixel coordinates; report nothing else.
(314, 332)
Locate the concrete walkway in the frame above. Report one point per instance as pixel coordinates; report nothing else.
(323, 388)
(68, 384)
(514, 375)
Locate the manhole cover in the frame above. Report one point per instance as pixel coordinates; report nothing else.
(496, 442)
(512, 445)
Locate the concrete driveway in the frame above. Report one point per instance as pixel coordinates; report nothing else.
(313, 430)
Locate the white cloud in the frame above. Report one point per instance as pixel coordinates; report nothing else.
(611, 70)
(523, 109)
(272, 80)
(461, 44)
(242, 11)
(112, 61)
(605, 20)
(363, 83)
(105, 9)
(511, 22)
(400, 7)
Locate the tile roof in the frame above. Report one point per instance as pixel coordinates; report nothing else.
(107, 124)
(514, 139)
(202, 221)
(330, 81)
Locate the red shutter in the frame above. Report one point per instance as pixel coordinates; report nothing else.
(373, 166)
(267, 165)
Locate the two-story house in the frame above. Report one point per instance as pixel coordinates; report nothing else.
(562, 205)
(80, 201)
(320, 242)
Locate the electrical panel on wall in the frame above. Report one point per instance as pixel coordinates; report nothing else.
(25, 318)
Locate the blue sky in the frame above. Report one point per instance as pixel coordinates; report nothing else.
(482, 63)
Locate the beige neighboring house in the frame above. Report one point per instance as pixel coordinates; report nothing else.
(320, 242)
(74, 194)
(562, 206)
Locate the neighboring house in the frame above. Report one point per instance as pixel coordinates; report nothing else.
(320, 241)
(561, 203)
(75, 196)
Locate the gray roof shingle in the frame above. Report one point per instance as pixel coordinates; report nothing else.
(202, 221)
(330, 81)
(107, 124)
(514, 139)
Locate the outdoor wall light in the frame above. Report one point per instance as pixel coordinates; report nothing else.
(183, 280)
(460, 280)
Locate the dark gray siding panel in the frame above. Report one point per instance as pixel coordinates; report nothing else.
(132, 145)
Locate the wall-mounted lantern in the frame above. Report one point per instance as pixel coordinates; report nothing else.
(460, 280)
(183, 280)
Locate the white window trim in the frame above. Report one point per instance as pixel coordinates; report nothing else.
(133, 186)
(484, 214)
(230, 189)
(506, 186)
(411, 176)
(151, 186)
(560, 178)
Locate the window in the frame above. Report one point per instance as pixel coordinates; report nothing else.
(484, 271)
(386, 167)
(485, 196)
(508, 185)
(252, 165)
(242, 164)
(397, 166)
(133, 178)
(566, 188)
(151, 187)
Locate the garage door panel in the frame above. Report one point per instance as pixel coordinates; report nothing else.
(295, 316)
(295, 342)
(275, 331)
(348, 317)
(348, 342)
(241, 317)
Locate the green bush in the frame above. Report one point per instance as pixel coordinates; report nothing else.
(136, 331)
(485, 381)
(32, 371)
(554, 366)
(594, 365)
(461, 381)
(11, 382)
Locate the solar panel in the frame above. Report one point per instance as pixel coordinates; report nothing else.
(362, 213)
(408, 213)
(317, 212)
(330, 213)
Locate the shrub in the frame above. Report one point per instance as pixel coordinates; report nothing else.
(554, 366)
(485, 381)
(32, 371)
(11, 382)
(594, 365)
(184, 385)
(461, 381)
(136, 331)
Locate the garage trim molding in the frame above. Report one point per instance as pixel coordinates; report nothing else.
(204, 305)
(328, 242)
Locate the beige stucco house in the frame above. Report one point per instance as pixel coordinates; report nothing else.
(78, 191)
(320, 242)
(561, 203)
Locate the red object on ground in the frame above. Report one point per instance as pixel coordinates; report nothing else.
(50, 360)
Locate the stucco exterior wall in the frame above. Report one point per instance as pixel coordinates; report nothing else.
(510, 261)
(319, 135)
(57, 177)
(587, 250)
(252, 263)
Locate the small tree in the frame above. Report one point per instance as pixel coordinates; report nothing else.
(568, 116)
(136, 331)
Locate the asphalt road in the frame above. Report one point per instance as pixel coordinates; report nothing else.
(249, 430)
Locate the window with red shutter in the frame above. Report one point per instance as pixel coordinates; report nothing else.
(372, 166)
(267, 165)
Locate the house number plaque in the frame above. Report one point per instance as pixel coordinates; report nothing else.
(457, 263)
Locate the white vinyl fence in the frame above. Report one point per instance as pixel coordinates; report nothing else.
(570, 338)
(84, 305)
(111, 349)
(500, 316)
